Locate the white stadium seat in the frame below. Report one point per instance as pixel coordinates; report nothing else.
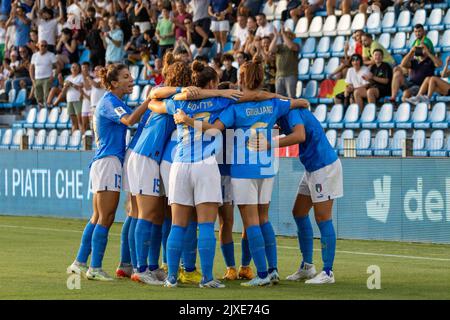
(41, 118)
(368, 116)
(63, 140)
(388, 22)
(301, 29)
(363, 143)
(321, 114)
(6, 139)
(281, 6)
(402, 115)
(419, 140)
(385, 40)
(351, 116)
(347, 134)
(323, 48)
(31, 118)
(269, 10)
(317, 69)
(437, 116)
(398, 142)
(331, 66)
(344, 25)
(50, 142)
(329, 26)
(39, 141)
(435, 144)
(434, 21)
(303, 69)
(359, 22)
(299, 89)
(385, 115)
(404, 21)
(289, 25)
(52, 118)
(374, 23)
(337, 48)
(332, 137)
(335, 117)
(381, 143)
(420, 17)
(315, 29)
(399, 43)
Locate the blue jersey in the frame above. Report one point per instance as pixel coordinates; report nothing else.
(192, 145)
(315, 152)
(223, 158)
(138, 132)
(156, 132)
(109, 132)
(255, 119)
(169, 148)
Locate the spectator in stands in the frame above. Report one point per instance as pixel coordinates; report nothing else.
(85, 92)
(55, 90)
(179, 18)
(421, 64)
(20, 72)
(97, 90)
(379, 80)
(433, 85)
(252, 26)
(379, 5)
(134, 47)
(349, 50)
(286, 59)
(346, 6)
(32, 44)
(154, 73)
(220, 26)
(150, 48)
(421, 38)
(21, 22)
(2, 38)
(197, 39)
(113, 42)
(95, 44)
(66, 49)
(203, 59)
(47, 24)
(41, 72)
(356, 84)
(299, 8)
(229, 73)
(182, 51)
(165, 32)
(269, 63)
(142, 15)
(200, 17)
(369, 47)
(253, 6)
(265, 29)
(241, 32)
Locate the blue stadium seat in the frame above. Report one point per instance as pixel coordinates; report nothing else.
(21, 98)
(385, 116)
(317, 69)
(335, 117)
(388, 22)
(419, 117)
(368, 115)
(351, 117)
(402, 116)
(303, 69)
(6, 139)
(228, 47)
(310, 91)
(404, 21)
(323, 48)
(373, 25)
(337, 48)
(434, 21)
(435, 144)
(41, 119)
(11, 99)
(380, 143)
(39, 141)
(85, 56)
(50, 141)
(63, 120)
(74, 141)
(363, 143)
(321, 114)
(419, 142)
(398, 139)
(309, 48)
(438, 115)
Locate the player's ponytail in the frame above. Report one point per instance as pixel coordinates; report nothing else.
(110, 73)
(202, 75)
(252, 73)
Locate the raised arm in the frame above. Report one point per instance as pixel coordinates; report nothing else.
(135, 116)
(157, 106)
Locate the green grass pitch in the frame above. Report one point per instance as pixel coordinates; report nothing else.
(35, 251)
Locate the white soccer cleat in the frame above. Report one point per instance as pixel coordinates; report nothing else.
(159, 274)
(212, 284)
(147, 277)
(307, 272)
(274, 277)
(171, 283)
(77, 268)
(321, 278)
(257, 282)
(98, 274)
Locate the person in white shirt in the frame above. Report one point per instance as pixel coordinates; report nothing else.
(241, 32)
(47, 24)
(265, 29)
(97, 90)
(41, 72)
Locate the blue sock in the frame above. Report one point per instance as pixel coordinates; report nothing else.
(132, 242)
(246, 255)
(143, 234)
(99, 241)
(206, 249)
(328, 241)
(124, 247)
(155, 247)
(228, 253)
(305, 238)
(165, 234)
(257, 248)
(86, 242)
(174, 249)
(190, 247)
(270, 245)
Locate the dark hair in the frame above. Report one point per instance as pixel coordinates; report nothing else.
(86, 63)
(368, 35)
(245, 55)
(201, 58)
(358, 56)
(48, 11)
(227, 57)
(67, 31)
(91, 9)
(202, 75)
(378, 50)
(261, 15)
(224, 85)
(419, 26)
(111, 73)
(252, 73)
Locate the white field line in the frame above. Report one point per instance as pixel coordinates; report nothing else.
(238, 244)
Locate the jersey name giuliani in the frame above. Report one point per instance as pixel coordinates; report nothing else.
(258, 111)
(194, 106)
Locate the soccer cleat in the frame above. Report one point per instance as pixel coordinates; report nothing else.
(98, 274)
(307, 272)
(147, 277)
(77, 268)
(159, 274)
(190, 277)
(230, 274)
(257, 282)
(211, 284)
(164, 267)
(171, 282)
(124, 270)
(274, 277)
(321, 278)
(246, 273)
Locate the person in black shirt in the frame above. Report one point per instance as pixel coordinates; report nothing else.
(380, 78)
(230, 72)
(201, 41)
(95, 44)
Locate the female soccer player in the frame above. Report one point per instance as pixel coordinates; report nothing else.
(252, 180)
(111, 119)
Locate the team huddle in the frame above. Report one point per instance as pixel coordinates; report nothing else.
(199, 150)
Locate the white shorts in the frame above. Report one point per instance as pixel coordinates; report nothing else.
(227, 196)
(193, 183)
(164, 170)
(143, 175)
(125, 179)
(86, 108)
(323, 184)
(218, 26)
(252, 191)
(106, 174)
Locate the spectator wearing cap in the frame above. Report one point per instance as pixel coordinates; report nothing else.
(22, 24)
(113, 42)
(41, 68)
(47, 24)
(369, 47)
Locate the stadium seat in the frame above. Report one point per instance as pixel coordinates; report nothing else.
(437, 116)
(397, 142)
(419, 117)
(419, 141)
(74, 141)
(309, 48)
(31, 136)
(280, 7)
(346, 134)
(315, 28)
(321, 114)
(20, 99)
(404, 21)
(351, 117)
(368, 115)
(63, 120)
(434, 21)
(134, 71)
(16, 139)
(269, 10)
(142, 80)
(299, 89)
(323, 48)
(84, 57)
(30, 119)
(52, 119)
(301, 29)
(228, 47)
(445, 42)
(359, 22)
(399, 43)
(435, 145)
(41, 118)
(385, 115)
(373, 25)
(363, 143)
(433, 35)
(385, 40)
(331, 66)
(317, 69)
(380, 143)
(412, 39)
(332, 137)
(388, 23)
(402, 116)
(6, 139)
(447, 145)
(420, 16)
(344, 25)
(329, 26)
(303, 69)
(39, 141)
(50, 142)
(11, 99)
(288, 25)
(335, 117)
(63, 140)
(337, 48)
(133, 98)
(446, 20)
(144, 93)
(310, 91)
